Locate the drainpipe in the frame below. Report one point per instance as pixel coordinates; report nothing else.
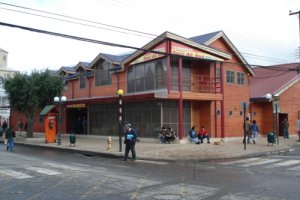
(180, 99)
(222, 102)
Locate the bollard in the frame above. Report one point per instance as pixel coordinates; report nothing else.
(109, 143)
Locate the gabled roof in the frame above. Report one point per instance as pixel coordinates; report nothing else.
(67, 70)
(209, 38)
(273, 79)
(172, 36)
(114, 59)
(83, 65)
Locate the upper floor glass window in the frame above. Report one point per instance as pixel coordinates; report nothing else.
(102, 75)
(230, 76)
(241, 78)
(147, 76)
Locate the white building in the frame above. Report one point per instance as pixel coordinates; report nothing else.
(4, 71)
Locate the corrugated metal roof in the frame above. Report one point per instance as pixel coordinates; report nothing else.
(273, 79)
(202, 39)
(117, 58)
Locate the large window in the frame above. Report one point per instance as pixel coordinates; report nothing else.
(241, 78)
(186, 75)
(230, 77)
(102, 75)
(147, 76)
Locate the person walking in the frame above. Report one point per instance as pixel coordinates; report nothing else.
(285, 126)
(248, 129)
(254, 130)
(20, 126)
(10, 136)
(130, 140)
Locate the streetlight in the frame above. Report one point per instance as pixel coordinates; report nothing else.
(120, 93)
(272, 99)
(59, 101)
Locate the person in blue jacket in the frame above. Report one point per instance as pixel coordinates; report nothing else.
(255, 130)
(130, 140)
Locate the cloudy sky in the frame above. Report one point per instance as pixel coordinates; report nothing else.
(262, 30)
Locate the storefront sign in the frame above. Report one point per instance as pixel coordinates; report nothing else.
(80, 105)
(183, 50)
(150, 55)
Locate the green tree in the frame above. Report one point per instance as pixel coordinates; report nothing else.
(28, 94)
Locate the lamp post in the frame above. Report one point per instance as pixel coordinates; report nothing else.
(59, 101)
(120, 93)
(271, 98)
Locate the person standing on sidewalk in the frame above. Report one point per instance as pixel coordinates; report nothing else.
(130, 140)
(248, 129)
(10, 136)
(285, 126)
(254, 130)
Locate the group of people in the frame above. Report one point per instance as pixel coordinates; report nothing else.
(10, 134)
(198, 137)
(166, 135)
(251, 129)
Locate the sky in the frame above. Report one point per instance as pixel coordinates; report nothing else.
(262, 30)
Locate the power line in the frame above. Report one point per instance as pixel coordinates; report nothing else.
(253, 56)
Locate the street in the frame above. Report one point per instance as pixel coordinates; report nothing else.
(33, 174)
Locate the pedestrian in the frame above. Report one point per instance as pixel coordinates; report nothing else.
(203, 134)
(162, 135)
(20, 126)
(130, 140)
(254, 130)
(10, 136)
(193, 136)
(4, 126)
(285, 126)
(248, 129)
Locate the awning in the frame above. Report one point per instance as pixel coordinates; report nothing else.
(47, 109)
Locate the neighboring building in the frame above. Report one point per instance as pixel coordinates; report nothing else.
(172, 81)
(4, 71)
(282, 82)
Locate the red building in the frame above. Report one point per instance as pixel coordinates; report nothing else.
(172, 81)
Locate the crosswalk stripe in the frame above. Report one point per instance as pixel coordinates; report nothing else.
(287, 163)
(152, 162)
(15, 174)
(60, 166)
(240, 161)
(43, 171)
(297, 168)
(263, 161)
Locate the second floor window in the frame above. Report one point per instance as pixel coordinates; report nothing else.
(241, 78)
(230, 77)
(102, 75)
(82, 78)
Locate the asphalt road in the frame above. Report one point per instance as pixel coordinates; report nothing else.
(34, 174)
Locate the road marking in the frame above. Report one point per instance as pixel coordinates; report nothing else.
(152, 162)
(287, 163)
(44, 171)
(240, 161)
(60, 166)
(15, 174)
(261, 162)
(297, 168)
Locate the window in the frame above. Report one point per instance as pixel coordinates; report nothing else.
(147, 76)
(102, 75)
(230, 76)
(82, 79)
(241, 78)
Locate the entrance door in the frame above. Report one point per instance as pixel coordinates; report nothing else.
(281, 117)
(76, 116)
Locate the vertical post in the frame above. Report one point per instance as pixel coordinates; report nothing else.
(245, 127)
(120, 93)
(276, 118)
(180, 111)
(59, 118)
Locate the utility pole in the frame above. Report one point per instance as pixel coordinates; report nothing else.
(297, 13)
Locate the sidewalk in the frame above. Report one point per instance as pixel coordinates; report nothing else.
(151, 149)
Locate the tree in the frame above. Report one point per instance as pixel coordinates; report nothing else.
(30, 93)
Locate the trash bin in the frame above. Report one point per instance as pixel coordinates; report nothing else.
(72, 138)
(271, 138)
